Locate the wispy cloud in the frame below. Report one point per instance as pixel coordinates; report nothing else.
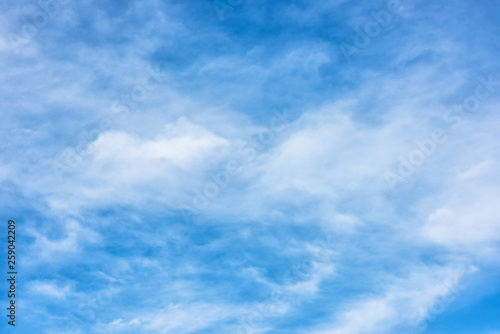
(252, 167)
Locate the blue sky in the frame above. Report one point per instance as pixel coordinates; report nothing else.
(237, 166)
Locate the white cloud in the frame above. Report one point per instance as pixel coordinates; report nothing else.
(48, 249)
(403, 302)
(182, 144)
(50, 289)
(177, 318)
(469, 216)
(166, 167)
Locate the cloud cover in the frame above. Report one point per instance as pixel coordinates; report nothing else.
(178, 170)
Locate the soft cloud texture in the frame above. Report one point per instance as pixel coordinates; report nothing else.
(173, 170)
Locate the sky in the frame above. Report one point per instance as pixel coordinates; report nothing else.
(250, 166)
